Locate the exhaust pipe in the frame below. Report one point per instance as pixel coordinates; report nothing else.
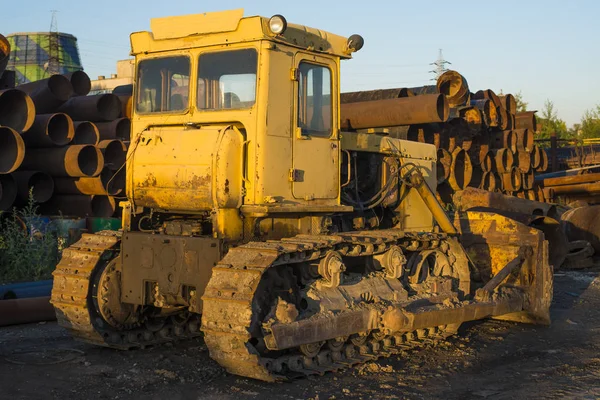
(8, 191)
(75, 161)
(86, 133)
(49, 130)
(12, 150)
(102, 107)
(48, 94)
(455, 87)
(393, 112)
(38, 183)
(114, 152)
(17, 110)
(81, 83)
(117, 129)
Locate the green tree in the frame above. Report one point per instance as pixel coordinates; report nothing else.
(590, 123)
(521, 104)
(549, 121)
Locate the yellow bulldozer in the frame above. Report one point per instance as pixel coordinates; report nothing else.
(252, 219)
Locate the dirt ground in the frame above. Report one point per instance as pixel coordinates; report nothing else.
(487, 360)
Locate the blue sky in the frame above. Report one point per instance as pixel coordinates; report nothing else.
(545, 49)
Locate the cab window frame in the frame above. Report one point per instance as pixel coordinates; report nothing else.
(302, 97)
(138, 87)
(200, 78)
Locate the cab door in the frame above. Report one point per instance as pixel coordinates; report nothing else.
(316, 150)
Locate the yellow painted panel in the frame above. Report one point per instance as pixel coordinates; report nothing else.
(196, 24)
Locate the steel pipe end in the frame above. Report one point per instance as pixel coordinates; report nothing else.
(17, 110)
(81, 83)
(60, 129)
(86, 132)
(60, 87)
(12, 150)
(109, 107)
(103, 206)
(113, 181)
(39, 183)
(114, 152)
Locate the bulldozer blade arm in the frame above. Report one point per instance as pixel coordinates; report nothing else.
(492, 241)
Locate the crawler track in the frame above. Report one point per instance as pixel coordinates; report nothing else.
(233, 309)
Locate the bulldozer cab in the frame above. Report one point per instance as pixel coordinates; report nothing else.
(215, 87)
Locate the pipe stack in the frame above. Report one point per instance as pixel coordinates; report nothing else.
(482, 140)
(64, 147)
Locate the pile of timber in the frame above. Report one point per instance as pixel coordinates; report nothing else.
(65, 148)
(481, 140)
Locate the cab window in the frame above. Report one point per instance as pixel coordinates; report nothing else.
(163, 85)
(227, 80)
(314, 99)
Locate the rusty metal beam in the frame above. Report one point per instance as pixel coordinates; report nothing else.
(75, 160)
(49, 130)
(24, 311)
(102, 107)
(17, 110)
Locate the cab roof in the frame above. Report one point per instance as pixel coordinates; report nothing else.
(226, 27)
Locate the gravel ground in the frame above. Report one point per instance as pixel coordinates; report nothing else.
(486, 360)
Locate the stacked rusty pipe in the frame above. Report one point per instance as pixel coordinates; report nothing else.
(482, 140)
(62, 147)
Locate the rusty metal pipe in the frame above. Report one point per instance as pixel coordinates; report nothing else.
(377, 94)
(504, 159)
(503, 118)
(114, 152)
(117, 129)
(524, 139)
(489, 95)
(571, 179)
(461, 169)
(12, 150)
(455, 87)
(39, 184)
(17, 110)
(75, 160)
(583, 223)
(81, 83)
(472, 198)
(473, 116)
(527, 179)
(8, 191)
(486, 160)
(49, 130)
(581, 188)
(509, 102)
(107, 183)
(126, 105)
(86, 132)
(511, 180)
(393, 112)
(543, 161)
(488, 110)
(489, 181)
(504, 139)
(24, 311)
(526, 120)
(4, 53)
(102, 107)
(524, 159)
(79, 205)
(48, 94)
